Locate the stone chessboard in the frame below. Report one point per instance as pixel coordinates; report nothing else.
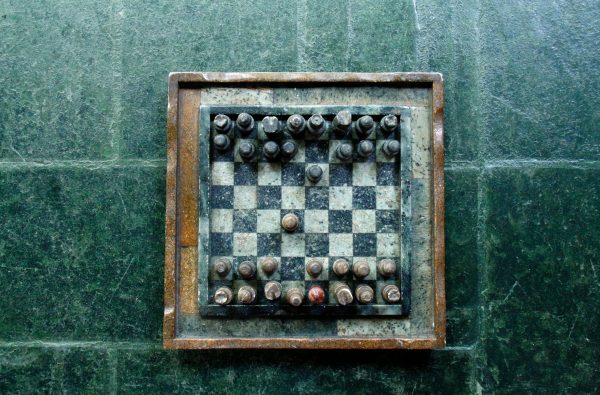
(359, 210)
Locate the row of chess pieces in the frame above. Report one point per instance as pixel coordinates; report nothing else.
(294, 296)
(280, 136)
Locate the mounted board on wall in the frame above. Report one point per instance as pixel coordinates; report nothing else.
(305, 210)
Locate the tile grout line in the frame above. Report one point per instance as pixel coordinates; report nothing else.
(116, 54)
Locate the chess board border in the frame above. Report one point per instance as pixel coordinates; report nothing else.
(278, 309)
(181, 226)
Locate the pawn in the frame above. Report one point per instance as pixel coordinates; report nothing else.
(222, 267)
(289, 149)
(269, 265)
(246, 150)
(314, 268)
(386, 267)
(361, 269)
(245, 123)
(388, 124)
(271, 150)
(296, 124)
(221, 142)
(316, 125)
(247, 270)
(391, 147)
(222, 123)
(314, 173)
(365, 148)
(364, 126)
(344, 152)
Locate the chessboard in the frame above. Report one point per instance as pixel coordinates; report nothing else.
(304, 210)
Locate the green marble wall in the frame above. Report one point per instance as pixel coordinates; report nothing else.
(82, 174)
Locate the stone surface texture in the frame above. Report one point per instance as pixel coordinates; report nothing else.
(83, 93)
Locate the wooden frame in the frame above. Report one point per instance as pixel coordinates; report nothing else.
(181, 222)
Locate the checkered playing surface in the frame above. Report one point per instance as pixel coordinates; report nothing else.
(352, 212)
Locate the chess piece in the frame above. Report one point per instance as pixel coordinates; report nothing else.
(316, 295)
(221, 142)
(386, 267)
(247, 270)
(391, 147)
(222, 267)
(296, 124)
(391, 293)
(245, 123)
(344, 152)
(314, 173)
(246, 150)
(222, 123)
(246, 295)
(316, 125)
(290, 222)
(314, 268)
(289, 149)
(341, 267)
(364, 126)
(223, 296)
(272, 128)
(272, 290)
(388, 124)
(365, 148)
(361, 269)
(294, 296)
(269, 265)
(342, 294)
(271, 150)
(364, 294)
(341, 123)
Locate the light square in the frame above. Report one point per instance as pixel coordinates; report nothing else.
(316, 221)
(292, 197)
(268, 221)
(301, 154)
(388, 245)
(244, 244)
(292, 244)
(324, 181)
(221, 220)
(340, 198)
(244, 197)
(341, 244)
(388, 198)
(269, 173)
(364, 174)
(222, 173)
(363, 221)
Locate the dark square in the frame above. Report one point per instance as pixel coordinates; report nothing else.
(317, 244)
(221, 244)
(268, 197)
(317, 151)
(365, 244)
(363, 197)
(340, 174)
(340, 221)
(244, 221)
(388, 174)
(300, 215)
(245, 174)
(292, 174)
(221, 156)
(388, 221)
(292, 268)
(269, 244)
(316, 198)
(221, 196)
